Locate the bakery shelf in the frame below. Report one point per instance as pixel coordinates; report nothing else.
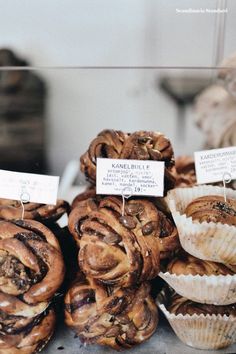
(164, 341)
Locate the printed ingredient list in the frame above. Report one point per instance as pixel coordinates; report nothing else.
(215, 165)
(130, 177)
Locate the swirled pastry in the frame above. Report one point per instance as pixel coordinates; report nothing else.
(22, 337)
(118, 318)
(212, 208)
(31, 267)
(181, 305)
(141, 145)
(121, 249)
(107, 144)
(186, 264)
(46, 214)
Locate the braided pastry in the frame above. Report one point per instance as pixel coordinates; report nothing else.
(181, 305)
(108, 144)
(184, 171)
(120, 249)
(31, 267)
(119, 318)
(186, 264)
(27, 337)
(212, 208)
(142, 145)
(168, 237)
(47, 214)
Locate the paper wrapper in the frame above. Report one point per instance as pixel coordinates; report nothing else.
(209, 241)
(213, 289)
(203, 332)
(200, 331)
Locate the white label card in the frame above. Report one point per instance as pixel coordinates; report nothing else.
(29, 187)
(212, 165)
(130, 177)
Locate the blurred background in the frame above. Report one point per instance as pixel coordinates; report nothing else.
(88, 65)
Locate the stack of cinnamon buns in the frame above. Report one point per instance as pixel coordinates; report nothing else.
(31, 272)
(187, 238)
(110, 303)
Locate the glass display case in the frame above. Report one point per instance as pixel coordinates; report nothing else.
(77, 104)
(51, 112)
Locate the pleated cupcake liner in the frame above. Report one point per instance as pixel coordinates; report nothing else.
(200, 331)
(213, 289)
(208, 241)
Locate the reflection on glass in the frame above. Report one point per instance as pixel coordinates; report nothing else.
(22, 117)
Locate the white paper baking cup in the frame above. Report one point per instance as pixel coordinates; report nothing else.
(209, 241)
(213, 289)
(203, 332)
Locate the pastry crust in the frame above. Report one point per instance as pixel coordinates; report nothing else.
(119, 318)
(184, 171)
(30, 337)
(32, 267)
(108, 143)
(199, 325)
(181, 305)
(212, 208)
(186, 264)
(141, 145)
(146, 145)
(121, 250)
(90, 192)
(12, 210)
(184, 164)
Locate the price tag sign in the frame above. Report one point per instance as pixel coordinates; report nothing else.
(143, 178)
(212, 165)
(29, 187)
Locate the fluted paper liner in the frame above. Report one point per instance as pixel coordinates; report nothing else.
(202, 331)
(209, 241)
(213, 289)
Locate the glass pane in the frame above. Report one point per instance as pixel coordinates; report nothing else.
(49, 117)
(106, 33)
